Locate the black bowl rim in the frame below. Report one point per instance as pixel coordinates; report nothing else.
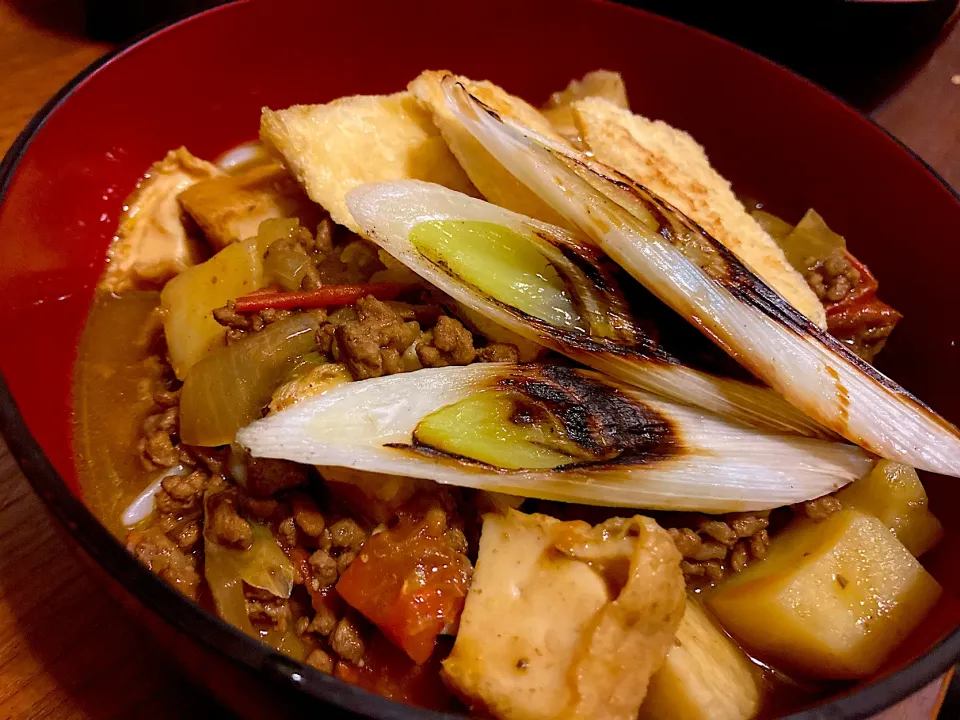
(225, 640)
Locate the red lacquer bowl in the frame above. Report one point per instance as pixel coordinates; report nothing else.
(202, 82)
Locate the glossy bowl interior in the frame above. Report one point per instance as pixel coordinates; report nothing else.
(202, 82)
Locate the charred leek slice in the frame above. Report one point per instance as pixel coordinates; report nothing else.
(548, 286)
(704, 282)
(555, 433)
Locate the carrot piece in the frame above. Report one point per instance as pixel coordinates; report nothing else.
(325, 296)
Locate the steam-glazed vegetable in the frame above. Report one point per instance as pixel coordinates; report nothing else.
(410, 583)
(554, 433)
(705, 283)
(547, 285)
(263, 565)
(832, 599)
(190, 299)
(228, 388)
(704, 677)
(894, 494)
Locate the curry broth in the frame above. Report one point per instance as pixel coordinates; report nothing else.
(116, 370)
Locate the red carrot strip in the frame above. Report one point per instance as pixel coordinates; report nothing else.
(322, 297)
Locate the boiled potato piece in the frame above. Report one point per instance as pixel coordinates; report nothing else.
(894, 494)
(705, 676)
(190, 299)
(832, 599)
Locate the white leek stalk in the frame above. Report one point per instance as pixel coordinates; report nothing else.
(553, 432)
(706, 284)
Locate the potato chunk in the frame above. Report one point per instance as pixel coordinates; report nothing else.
(230, 208)
(152, 245)
(333, 148)
(705, 676)
(831, 600)
(894, 494)
(190, 299)
(564, 620)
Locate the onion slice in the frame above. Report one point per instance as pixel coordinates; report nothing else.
(143, 504)
(603, 335)
(553, 432)
(705, 283)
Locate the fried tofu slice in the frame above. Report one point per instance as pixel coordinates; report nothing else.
(230, 208)
(672, 165)
(598, 83)
(493, 181)
(565, 620)
(152, 243)
(333, 148)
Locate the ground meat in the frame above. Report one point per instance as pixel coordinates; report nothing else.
(306, 515)
(224, 524)
(158, 444)
(373, 344)
(240, 325)
(266, 476)
(833, 278)
(321, 661)
(265, 608)
(262, 508)
(344, 559)
(450, 343)
(347, 533)
(325, 619)
(287, 532)
(346, 641)
(499, 352)
(324, 569)
(179, 510)
(160, 555)
(301, 244)
(819, 509)
(715, 546)
(185, 491)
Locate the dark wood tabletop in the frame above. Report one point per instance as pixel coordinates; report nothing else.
(66, 648)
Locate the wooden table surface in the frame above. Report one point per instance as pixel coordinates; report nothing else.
(66, 648)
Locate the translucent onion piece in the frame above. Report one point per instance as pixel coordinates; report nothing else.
(142, 506)
(230, 386)
(626, 447)
(390, 212)
(706, 284)
(263, 566)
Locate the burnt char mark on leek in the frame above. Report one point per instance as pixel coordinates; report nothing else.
(751, 289)
(606, 425)
(597, 417)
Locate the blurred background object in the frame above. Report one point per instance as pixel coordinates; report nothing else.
(120, 20)
(862, 50)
